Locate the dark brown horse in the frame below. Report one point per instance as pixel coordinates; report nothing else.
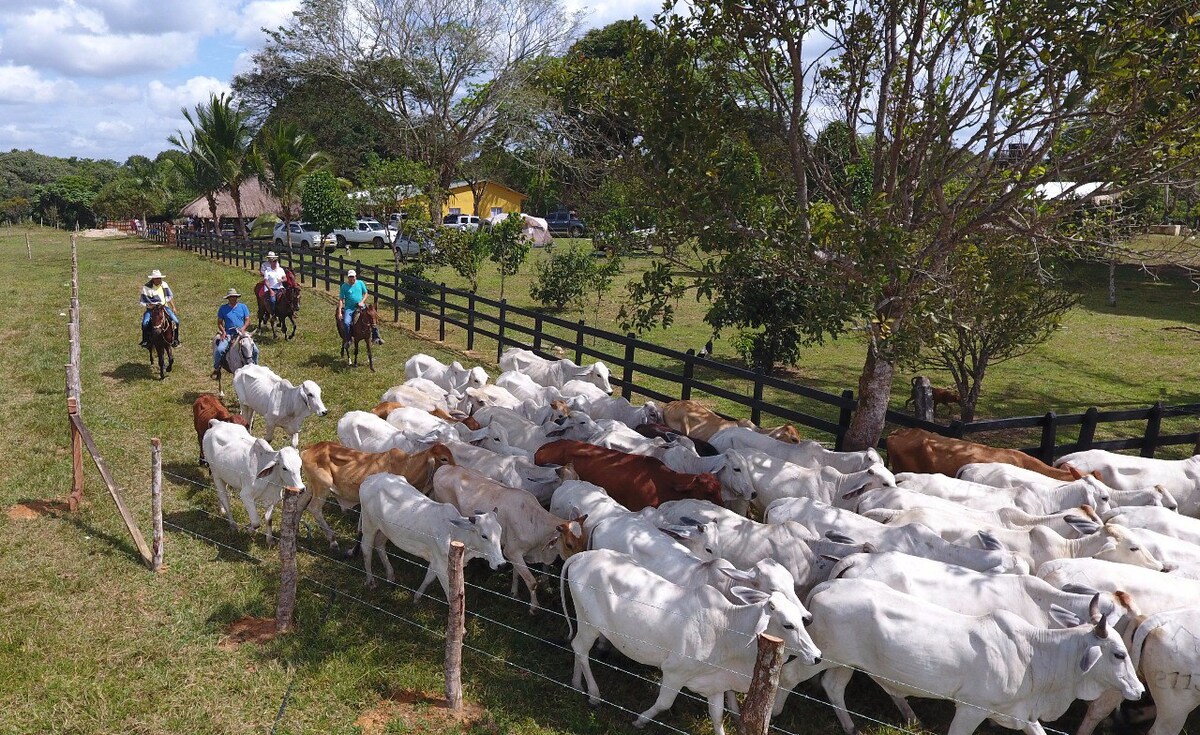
(162, 334)
(287, 306)
(364, 327)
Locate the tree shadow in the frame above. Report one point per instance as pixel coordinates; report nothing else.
(132, 371)
(193, 477)
(233, 546)
(329, 362)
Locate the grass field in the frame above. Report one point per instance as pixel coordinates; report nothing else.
(93, 643)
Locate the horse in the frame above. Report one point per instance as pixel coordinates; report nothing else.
(287, 305)
(162, 334)
(240, 354)
(364, 327)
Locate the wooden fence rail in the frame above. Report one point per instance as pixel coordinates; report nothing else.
(479, 316)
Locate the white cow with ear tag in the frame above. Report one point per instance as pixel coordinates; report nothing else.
(699, 639)
(260, 474)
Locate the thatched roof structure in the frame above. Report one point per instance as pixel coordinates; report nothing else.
(255, 201)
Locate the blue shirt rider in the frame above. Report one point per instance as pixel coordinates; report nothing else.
(156, 291)
(232, 317)
(352, 293)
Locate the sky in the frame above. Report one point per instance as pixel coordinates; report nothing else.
(107, 78)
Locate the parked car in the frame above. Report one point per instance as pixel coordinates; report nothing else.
(408, 246)
(365, 231)
(461, 221)
(304, 234)
(566, 222)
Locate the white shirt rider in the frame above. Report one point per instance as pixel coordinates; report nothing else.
(273, 274)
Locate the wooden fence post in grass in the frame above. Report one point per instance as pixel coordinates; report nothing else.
(76, 452)
(760, 699)
(922, 398)
(689, 370)
(1049, 437)
(579, 343)
(442, 315)
(845, 414)
(627, 372)
(500, 328)
(156, 542)
(455, 628)
(288, 574)
(28, 247)
(1153, 428)
(471, 321)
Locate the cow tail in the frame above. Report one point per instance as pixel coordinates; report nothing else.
(562, 594)
(840, 568)
(1147, 626)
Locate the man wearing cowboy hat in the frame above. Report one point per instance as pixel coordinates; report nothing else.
(232, 317)
(274, 277)
(156, 291)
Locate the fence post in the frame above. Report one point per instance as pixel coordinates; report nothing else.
(28, 247)
(287, 559)
(845, 413)
(956, 429)
(760, 698)
(537, 332)
(922, 398)
(442, 315)
(455, 628)
(627, 369)
(396, 295)
(156, 541)
(1153, 427)
(1049, 438)
(471, 321)
(689, 369)
(76, 455)
(500, 329)
(579, 343)
(1087, 430)
(756, 399)
(418, 299)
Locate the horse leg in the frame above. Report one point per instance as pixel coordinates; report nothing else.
(170, 358)
(356, 341)
(162, 362)
(370, 357)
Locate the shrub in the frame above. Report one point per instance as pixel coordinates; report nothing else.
(564, 278)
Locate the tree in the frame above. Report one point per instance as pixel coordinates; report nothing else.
(391, 182)
(954, 114)
(462, 250)
(222, 141)
(508, 247)
(325, 202)
(286, 157)
(14, 209)
(446, 74)
(995, 305)
(67, 201)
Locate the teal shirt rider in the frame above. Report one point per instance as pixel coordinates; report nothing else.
(352, 294)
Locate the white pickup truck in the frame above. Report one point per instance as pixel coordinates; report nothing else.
(365, 232)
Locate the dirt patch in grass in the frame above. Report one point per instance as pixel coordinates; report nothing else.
(419, 712)
(31, 510)
(247, 630)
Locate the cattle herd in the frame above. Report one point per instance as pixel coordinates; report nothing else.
(962, 572)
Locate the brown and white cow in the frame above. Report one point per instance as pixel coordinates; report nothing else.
(697, 421)
(383, 409)
(917, 450)
(206, 408)
(331, 467)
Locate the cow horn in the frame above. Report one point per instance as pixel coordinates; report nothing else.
(1094, 609)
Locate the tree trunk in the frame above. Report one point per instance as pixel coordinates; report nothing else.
(874, 391)
(1112, 280)
(970, 398)
(240, 227)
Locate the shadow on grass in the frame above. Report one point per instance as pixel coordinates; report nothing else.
(133, 371)
(329, 362)
(121, 544)
(232, 546)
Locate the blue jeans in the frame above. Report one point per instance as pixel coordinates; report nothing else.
(348, 317)
(170, 315)
(272, 295)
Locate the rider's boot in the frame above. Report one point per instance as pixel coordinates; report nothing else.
(375, 335)
(145, 337)
(175, 342)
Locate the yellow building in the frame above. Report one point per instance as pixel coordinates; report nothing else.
(496, 199)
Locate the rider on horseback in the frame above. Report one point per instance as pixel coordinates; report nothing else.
(156, 291)
(274, 278)
(351, 298)
(232, 318)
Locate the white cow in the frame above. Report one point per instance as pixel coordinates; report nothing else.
(1152, 591)
(1001, 474)
(1165, 648)
(1180, 477)
(530, 532)
(744, 542)
(1161, 520)
(554, 373)
(773, 478)
(260, 390)
(695, 636)
(453, 377)
(393, 510)
(526, 388)
(422, 394)
(939, 513)
(420, 425)
(1180, 558)
(508, 470)
(968, 592)
(1035, 501)
(826, 520)
(619, 409)
(260, 474)
(576, 497)
(489, 395)
(805, 454)
(996, 666)
(584, 389)
(366, 432)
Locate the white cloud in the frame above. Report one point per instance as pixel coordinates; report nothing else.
(166, 100)
(23, 85)
(259, 14)
(114, 129)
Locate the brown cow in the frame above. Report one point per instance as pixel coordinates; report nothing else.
(917, 450)
(383, 409)
(940, 396)
(329, 466)
(632, 480)
(697, 421)
(206, 408)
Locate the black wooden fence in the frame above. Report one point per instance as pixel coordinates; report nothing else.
(481, 317)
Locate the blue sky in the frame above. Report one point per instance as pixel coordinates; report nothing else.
(107, 78)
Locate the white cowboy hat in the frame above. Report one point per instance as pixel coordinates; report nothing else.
(156, 273)
(272, 256)
(232, 292)
(351, 274)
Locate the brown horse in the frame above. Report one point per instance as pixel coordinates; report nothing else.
(287, 306)
(162, 334)
(364, 327)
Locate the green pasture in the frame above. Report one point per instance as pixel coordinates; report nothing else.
(93, 643)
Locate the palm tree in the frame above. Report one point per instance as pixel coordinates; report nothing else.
(285, 156)
(224, 142)
(195, 170)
